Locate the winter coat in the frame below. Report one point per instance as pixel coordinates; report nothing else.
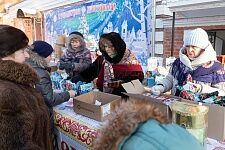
(138, 125)
(122, 72)
(80, 58)
(25, 122)
(204, 70)
(45, 85)
(51, 98)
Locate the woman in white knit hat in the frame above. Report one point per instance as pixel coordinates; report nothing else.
(197, 65)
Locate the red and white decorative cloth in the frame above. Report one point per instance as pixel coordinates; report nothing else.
(79, 132)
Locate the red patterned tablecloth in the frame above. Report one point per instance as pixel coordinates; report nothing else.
(77, 132)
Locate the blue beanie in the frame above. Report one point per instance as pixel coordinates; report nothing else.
(42, 48)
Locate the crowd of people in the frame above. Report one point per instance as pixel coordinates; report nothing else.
(27, 98)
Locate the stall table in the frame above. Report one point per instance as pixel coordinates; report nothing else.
(77, 132)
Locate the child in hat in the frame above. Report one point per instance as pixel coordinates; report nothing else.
(77, 57)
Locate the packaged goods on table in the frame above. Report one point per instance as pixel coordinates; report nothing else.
(192, 117)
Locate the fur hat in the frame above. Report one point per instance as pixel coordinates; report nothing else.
(42, 48)
(78, 36)
(197, 37)
(11, 40)
(77, 33)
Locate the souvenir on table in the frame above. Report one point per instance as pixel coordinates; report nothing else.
(56, 78)
(192, 117)
(83, 87)
(66, 85)
(169, 62)
(209, 98)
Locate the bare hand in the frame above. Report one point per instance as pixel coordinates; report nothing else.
(72, 93)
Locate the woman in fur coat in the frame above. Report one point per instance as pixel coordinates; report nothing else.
(138, 125)
(25, 122)
(197, 65)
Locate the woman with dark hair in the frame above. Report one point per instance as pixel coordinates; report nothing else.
(25, 122)
(117, 65)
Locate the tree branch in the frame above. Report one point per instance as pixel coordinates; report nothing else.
(138, 20)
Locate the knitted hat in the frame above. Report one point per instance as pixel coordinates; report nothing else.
(11, 40)
(42, 48)
(197, 37)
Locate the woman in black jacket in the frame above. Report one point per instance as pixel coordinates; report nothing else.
(115, 66)
(40, 56)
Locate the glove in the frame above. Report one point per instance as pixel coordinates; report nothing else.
(67, 66)
(157, 89)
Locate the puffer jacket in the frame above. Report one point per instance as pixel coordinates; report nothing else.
(24, 116)
(45, 85)
(137, 124)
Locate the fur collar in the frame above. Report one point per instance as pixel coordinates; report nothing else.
(208, 55)
(37, 61)
(124, 121)
(18, 73)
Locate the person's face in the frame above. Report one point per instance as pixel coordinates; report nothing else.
(75, 43)
(20, 55)
(48, 59)
(193, 51)
(108, 47)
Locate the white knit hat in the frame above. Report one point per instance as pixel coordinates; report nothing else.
(197, 37)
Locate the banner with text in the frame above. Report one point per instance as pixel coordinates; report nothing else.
(130, 18)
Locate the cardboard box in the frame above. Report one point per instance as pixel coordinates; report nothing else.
(136, 90)
(216, 121)
(84, 104)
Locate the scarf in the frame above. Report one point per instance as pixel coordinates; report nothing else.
(126, 62)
